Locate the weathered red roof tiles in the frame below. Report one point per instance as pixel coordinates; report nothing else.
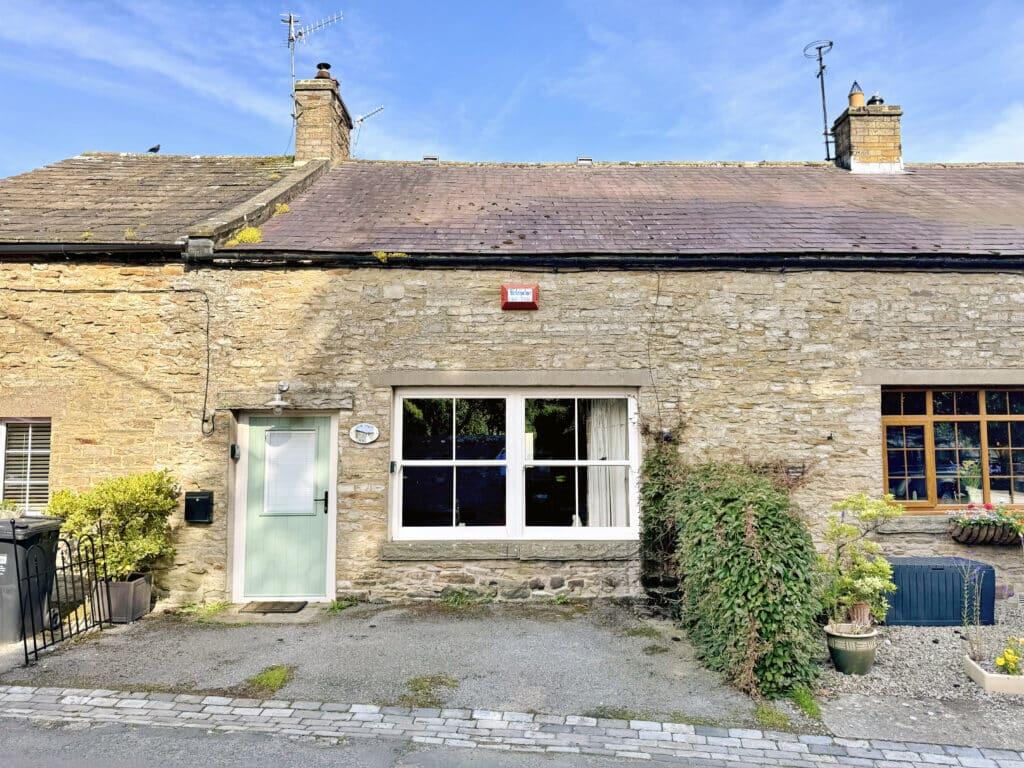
(363, 206)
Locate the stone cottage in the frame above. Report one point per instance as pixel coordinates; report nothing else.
(397, 377)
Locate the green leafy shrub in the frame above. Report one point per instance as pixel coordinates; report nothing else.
(133, 511)
(747, 563)
(853, 571)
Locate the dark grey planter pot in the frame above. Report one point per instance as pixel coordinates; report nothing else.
(129, 600)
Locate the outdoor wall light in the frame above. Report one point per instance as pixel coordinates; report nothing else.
(279, 403)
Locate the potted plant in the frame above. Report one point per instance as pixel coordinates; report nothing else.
(855, 580)
(986, 524)
(133, 514)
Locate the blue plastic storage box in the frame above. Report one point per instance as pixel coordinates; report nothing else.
(930, 591)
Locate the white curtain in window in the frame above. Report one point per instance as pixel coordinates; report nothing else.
(607, 504)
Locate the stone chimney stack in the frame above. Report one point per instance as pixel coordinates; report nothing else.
(322, 124)
(867, 136)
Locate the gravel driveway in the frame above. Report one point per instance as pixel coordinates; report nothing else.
(556, 659)
(918, 691)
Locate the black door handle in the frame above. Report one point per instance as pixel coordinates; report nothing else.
(325, 502)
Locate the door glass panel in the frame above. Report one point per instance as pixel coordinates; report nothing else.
(550, 495)
(427, 496)
(480, 429)
(427, 428)
(604, 496)
(480, 495)
(289, 472)
(550, 429)
(603, 432)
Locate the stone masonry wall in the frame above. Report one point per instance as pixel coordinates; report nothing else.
(749, 365)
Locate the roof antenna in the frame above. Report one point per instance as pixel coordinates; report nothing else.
(297, 34)
(359, 125)
(817, 50)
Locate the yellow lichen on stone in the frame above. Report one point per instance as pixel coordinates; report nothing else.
(86, 235)
(281, 208)
(246, 236)
(130, 234)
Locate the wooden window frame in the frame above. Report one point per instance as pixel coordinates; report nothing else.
(927, 420)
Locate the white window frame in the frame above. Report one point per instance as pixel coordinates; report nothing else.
(3, 458)
(515, 527)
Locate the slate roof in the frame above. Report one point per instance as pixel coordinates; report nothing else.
(125, 198)
(365, 206)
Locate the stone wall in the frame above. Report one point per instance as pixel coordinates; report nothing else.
(762, 366)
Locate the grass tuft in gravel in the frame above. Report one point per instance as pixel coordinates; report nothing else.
(803, 699)
(340, 604)
(426, 691)
(268, 682)
(770, 718)
(202, 613)
(654, 649)
(643, 630)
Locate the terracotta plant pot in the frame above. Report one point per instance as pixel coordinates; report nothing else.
(851, 648)
(983, 534)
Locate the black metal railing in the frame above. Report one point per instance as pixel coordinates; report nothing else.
(62, 590)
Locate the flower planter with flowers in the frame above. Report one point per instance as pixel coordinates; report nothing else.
(986, 524)
(1009, 664)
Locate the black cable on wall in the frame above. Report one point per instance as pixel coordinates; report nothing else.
(205, 420)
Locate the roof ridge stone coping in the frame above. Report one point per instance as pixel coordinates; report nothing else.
(261, 207)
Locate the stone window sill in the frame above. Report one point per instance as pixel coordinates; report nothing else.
(510, 550)
(933, 524)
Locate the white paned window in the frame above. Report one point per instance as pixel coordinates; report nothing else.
(479, 463)
(25, 463)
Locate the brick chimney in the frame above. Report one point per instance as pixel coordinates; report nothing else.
(867, 136)
(322, 125)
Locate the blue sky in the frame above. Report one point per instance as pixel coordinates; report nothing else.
(527, 81)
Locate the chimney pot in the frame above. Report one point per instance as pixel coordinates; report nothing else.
(856, 97)
(323, 70)
(876, 99)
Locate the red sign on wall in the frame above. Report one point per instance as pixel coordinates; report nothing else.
(520, 296)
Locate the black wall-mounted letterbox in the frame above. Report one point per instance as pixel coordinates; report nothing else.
(198, 506)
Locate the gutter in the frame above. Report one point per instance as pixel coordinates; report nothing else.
(160, 251)
(839, 261)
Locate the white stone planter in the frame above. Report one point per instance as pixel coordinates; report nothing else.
(993, 683)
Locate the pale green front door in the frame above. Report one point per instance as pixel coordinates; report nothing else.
(287, 500)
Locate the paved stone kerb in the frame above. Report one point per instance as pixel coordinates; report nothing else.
(486, 729)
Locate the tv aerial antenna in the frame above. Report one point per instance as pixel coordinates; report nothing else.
(817, 50)
(297, 34)
(359, 125)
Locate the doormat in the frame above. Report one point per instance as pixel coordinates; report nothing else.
(273, 606)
